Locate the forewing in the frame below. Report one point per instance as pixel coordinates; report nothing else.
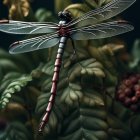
(33, 44)
(111, 9)
(102, 30)
(19, 27)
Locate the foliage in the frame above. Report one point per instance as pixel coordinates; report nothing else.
(13, 87)
(134, 64)
(85, 107)
(15, 131)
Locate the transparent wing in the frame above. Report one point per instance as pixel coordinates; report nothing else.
(19, 27)
(111, 9)
(35, 43)
(102, 30)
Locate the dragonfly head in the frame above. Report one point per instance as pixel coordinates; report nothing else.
(65, 16)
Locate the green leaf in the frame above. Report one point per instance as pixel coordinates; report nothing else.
(71, 94)
(43, 15)
(77, 10)
(48, 68)
(119, 129)
(15, 86)
(46, 85)
(8, 65)
(42, 102)
(87, 67)
(14, 62)
(60, 5)
(92, 67)
(135, 54)
(85, 123)
(92, 98)
(7, 79)
(16, 131)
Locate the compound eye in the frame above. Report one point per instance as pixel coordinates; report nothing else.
(67, 13)
(60, 14)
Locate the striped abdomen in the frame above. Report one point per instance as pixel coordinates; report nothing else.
(55, 79)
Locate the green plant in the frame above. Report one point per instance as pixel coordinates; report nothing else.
(85, 106)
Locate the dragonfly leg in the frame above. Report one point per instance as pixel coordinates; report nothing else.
(75, 52)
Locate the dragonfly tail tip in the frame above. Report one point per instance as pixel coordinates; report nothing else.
(41, 127)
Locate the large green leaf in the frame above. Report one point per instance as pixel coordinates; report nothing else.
(14, 86)
(16, 131)
(71, 94)
(87, 67)
(86, 120)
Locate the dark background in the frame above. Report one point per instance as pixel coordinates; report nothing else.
(132, 14)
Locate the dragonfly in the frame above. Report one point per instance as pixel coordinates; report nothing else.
(88, 26)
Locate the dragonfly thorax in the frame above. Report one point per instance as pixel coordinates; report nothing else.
(63, 31)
